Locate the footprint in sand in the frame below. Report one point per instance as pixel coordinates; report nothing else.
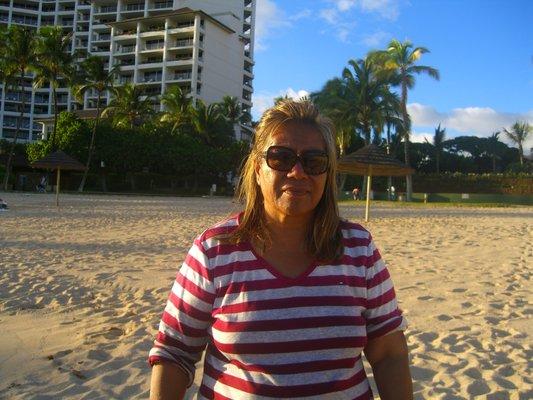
(478, 388)
(444, 317)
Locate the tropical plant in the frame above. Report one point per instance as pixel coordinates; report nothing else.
(518, 134)
(55, 65)
(231, 109)
(361, 99)
(17, 58)
(400, 61)
(95, 77)
(493, 148)
(178, 107)
(279, 99)
(438, 145)
(129, 106)
(205, 121)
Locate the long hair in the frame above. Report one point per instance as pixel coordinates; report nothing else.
(323, 238)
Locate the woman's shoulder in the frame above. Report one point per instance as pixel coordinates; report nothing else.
(220, 229)
(354, 232)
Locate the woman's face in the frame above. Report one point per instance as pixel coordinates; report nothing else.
(293, 193)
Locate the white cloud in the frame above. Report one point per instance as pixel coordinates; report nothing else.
(345, 5)
(387, 9)
(301, 15)
(342, 21)
(263, 101)
(269, 18)
(336, 24)
(375, 39)
(479, 121)
(420, 137)
(330, 15)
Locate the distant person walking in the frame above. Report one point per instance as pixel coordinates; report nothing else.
(392, 193)
(355, 193)
(41, 187)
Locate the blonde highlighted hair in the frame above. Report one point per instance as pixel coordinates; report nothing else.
(323, 237)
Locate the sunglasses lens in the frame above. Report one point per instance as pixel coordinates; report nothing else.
(315, 163)
(284, 159)
(281, 159)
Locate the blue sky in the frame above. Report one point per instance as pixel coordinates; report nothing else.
(482, 48)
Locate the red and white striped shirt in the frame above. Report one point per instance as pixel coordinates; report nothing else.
(269, 336)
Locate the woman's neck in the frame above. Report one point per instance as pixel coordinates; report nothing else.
(290, 231)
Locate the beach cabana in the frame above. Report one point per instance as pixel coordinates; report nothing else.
(372, 161)
(58, 161)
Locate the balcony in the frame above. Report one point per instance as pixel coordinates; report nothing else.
(24, 20)
(180, 26)
(133, 7)
(33, 7)
(181, 76)
(127, 49)
(126, 32)
(102, 38)
(164, 4)
(126, 63)
(150, 79)
(106, 10)
(154, 46)
(184, 42)
(152, 60)
(124, 80)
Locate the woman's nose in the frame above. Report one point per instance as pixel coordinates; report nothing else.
(297, 171)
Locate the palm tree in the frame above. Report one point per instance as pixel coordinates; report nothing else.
(361, 98)
(438, 144)
(401, 59)
(493, 146)
(55, 64)
(231, 110)
(16, 60)
(95, 77)
(178, 107)
(129, 106)
(518, 134)
(205, 121)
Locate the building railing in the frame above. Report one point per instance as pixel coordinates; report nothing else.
(107, 9)
(127, 32)
(182, 75)
(127, 49)
(24, 20)
(166, 4)
(181, 25)
(153, 46)
(102, 37)
(152, 61)
(151, 79)
(133, 7)
(184, 42)
(33, 7)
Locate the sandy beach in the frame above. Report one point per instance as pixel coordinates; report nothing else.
(82, 289)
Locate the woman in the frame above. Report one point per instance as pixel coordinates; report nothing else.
(285, 295)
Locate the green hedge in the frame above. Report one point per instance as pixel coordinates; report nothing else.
(519, 184)
(512, 184)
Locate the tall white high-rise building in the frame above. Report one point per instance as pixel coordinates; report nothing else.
(205, 46)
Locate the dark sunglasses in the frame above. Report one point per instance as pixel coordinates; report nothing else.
(279, 158)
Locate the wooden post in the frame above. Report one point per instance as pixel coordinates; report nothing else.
(368, 184)
(57, 186)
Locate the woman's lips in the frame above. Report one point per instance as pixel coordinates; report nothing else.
(295, 191)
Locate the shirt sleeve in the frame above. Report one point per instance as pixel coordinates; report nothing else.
(382, 313)
(186, 319)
